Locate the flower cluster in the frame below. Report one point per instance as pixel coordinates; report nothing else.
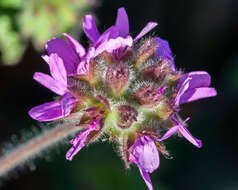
(126, 88)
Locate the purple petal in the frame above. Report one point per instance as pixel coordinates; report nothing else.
(80, 141)
(146, 177)
(169, 133)
(163, 51)
(196, 94)
(145, 152)
(122, 22)
(146, 29)
(145, 155)
(183, 87)
(65, 52)
(47, 112)
(110, 33)
(67, 102)
(117, 46)
(57, 69)
(50, 83)
(198, 79)
(46, 58)
(75, 45)
(186, 134)
(90, 28)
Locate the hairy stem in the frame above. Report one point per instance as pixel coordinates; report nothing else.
(32, 147)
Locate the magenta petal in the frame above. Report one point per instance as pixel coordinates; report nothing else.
(122, 22)
(80, 141)
(65, 52)
(47, 112)
(67, 102)
(169, 133)
(75, 45)
(50, 83)
(57, 69)
(90, 28)
(196, 94)
(146, 177)
(146, 29)
(186, 134)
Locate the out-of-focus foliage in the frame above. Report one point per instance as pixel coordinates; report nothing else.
(22, 21)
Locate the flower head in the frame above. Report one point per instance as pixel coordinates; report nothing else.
(127, 89)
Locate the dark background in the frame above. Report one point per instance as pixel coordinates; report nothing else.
(203, 36)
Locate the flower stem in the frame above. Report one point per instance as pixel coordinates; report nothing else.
(32, 147)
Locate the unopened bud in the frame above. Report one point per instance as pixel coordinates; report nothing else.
(127, 115)
(117, 77)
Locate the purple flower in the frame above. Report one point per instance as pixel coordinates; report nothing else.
(194, 86)
(145, 155)
(179, 127)
(116, 38)
(57, 83)
(80, 140)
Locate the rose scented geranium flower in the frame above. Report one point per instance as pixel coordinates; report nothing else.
(127, 89)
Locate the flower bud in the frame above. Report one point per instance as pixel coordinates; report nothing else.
(117, 77)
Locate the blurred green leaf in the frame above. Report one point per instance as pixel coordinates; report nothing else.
(37, 21)
(10, 3)
(10, 44)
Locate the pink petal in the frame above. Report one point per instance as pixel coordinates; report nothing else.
(50, 83)
(196, 94)
(145, 155)
(118, 43)
(146, 177)
(122, 22)
(65, 52)
(57, 69)
(146, 29)
(47, 112)
(80, 141)
(169, 133)
(90, 28)
(145, 152)
(186, 134)
(75, 45)
(46, 58)
(110, 33)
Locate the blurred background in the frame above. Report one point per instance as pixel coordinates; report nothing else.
(202, 35)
